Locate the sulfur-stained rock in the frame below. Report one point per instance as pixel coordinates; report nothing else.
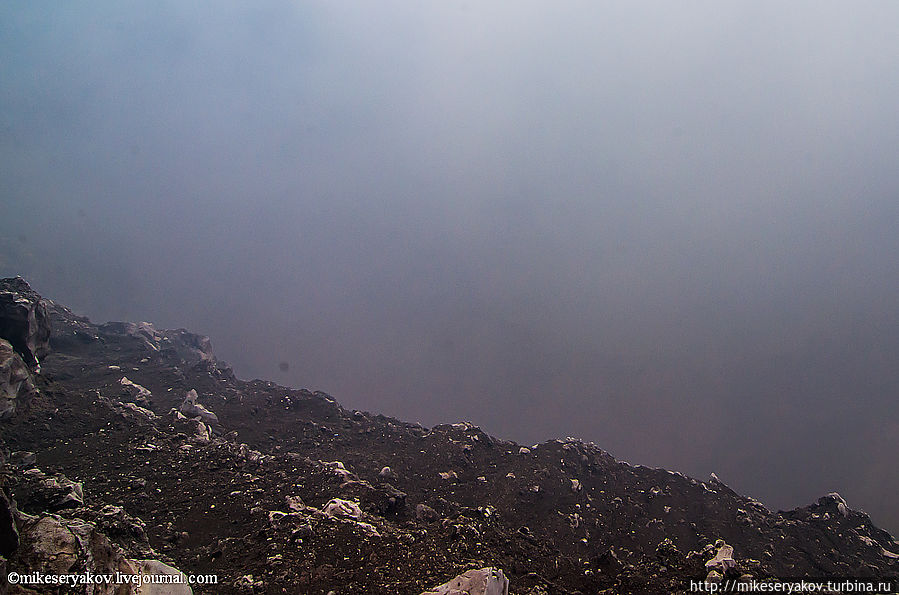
(486, 581)
(723, 560)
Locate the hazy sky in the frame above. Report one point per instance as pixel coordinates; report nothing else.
(669, 228)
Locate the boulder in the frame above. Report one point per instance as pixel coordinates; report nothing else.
(54, 545)
(723, 560)
(131, 391)
(202, 434)
(337, 507)
(834, 500)
(132, 410)
(486, 581)
(191, 408)
(24, 321)
(16, 385)
(294, 503)
(339, 468)
(191, 349)
(52, 493)
(121, 526)
(49, 545)
(143, 331)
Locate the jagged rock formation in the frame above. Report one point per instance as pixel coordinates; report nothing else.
(191, 408)
(75, 539)
(24, 339)
(16, 385)
(293, 492)
(24, 320)
(486, 581)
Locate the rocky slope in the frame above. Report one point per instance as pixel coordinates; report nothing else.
(148, 450)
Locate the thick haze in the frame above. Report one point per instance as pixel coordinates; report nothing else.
(669, 228)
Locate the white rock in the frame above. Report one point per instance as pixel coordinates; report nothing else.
(342, 508)
(723, 560)
(191, 408)
(486, 581)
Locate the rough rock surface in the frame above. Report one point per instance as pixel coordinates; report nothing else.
(16, 385)
(52, 544)
(131, 391)
(723, 560)
(247, 503)
(191, 408)
(24, 320)
(486, 581)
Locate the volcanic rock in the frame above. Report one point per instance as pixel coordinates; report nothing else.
(16, 385)
(24, 321)
(134, 392)
(723, 560)
(486, 581)
(342, 508)
(191, 408)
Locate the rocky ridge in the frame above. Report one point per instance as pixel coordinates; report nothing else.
(146, 449)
